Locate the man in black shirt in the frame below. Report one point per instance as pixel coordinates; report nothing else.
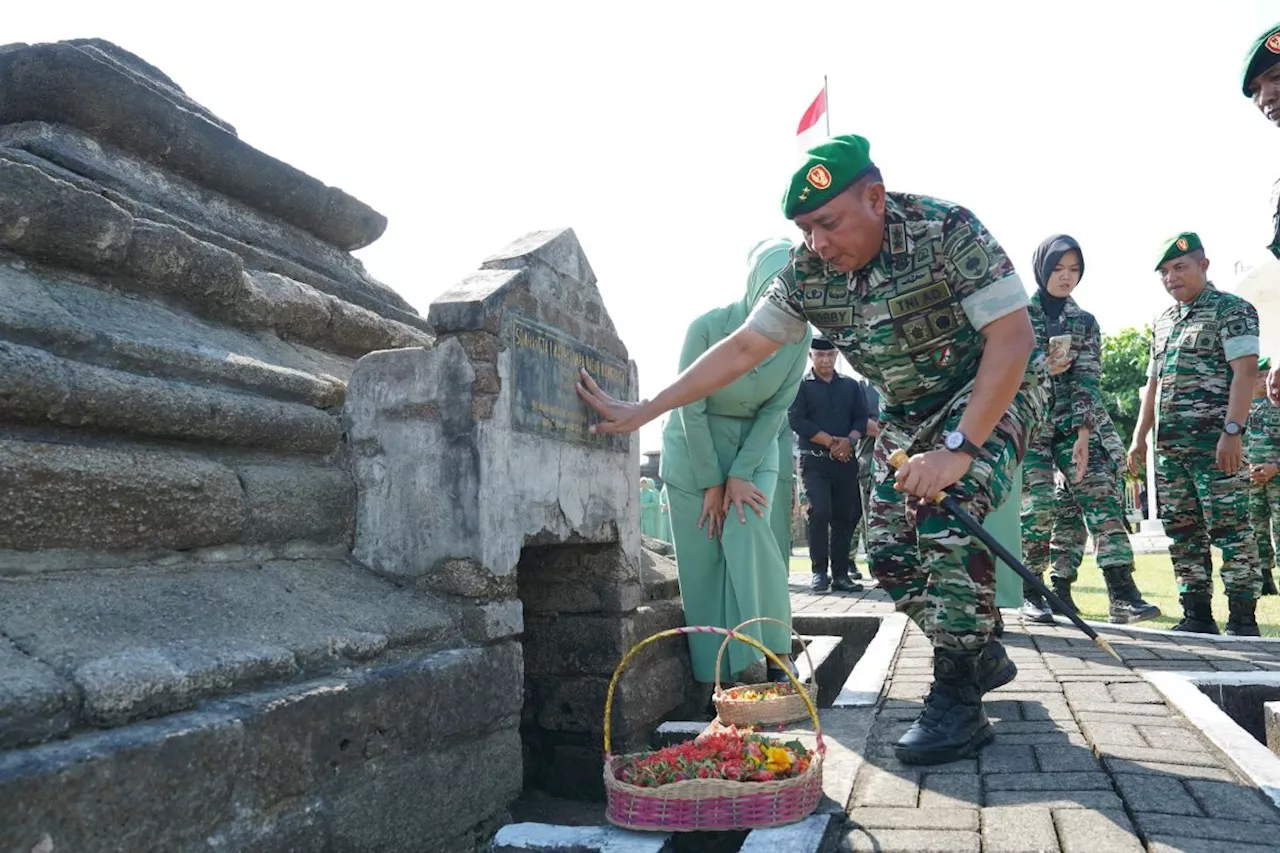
(828, 416)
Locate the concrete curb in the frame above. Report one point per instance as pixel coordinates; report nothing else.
(545, 838)
(865, 684)
(1253, 760)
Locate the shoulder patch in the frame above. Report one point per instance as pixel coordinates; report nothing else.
(1239, 326)
(973, 262)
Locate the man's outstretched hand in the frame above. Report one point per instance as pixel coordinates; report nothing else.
(617, 416)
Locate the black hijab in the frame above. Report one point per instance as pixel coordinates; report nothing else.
(1046, 257)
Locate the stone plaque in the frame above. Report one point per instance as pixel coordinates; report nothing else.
(544, 369)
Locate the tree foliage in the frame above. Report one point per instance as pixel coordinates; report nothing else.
(1124, 372)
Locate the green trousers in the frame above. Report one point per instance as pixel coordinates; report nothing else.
(727, 581)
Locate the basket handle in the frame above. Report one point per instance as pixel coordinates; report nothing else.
(725, 644)
(703, 629)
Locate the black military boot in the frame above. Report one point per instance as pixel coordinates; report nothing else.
(1126, 601)
(1197, 614)
(1268, 583)
(995, 668)
(1033, 607)
(1243, 620)
(1062, 589)
(998, 630)
(954, 724)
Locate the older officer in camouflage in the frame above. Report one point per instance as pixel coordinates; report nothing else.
(1263, 443)
(925, 304)
(1204, 360)
(1072, 443)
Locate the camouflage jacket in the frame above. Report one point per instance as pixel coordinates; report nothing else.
(1262, 441)
(909, 321)
(1077, 392)
(1191, 350)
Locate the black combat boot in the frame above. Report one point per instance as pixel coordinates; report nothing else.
(995, 668)
(998, 630)
(1268, 583)
(1126, 601)
(953, 724)
(1033, 607)
(1243, 620)
(1062, 589)
(1197, 614)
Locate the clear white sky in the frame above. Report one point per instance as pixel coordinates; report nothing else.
(663, 133)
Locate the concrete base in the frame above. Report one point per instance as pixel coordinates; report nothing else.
(545, 838)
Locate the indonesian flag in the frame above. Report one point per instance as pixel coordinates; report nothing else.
(811, 130)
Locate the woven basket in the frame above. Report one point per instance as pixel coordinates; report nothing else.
(773, 711)
(701, 805)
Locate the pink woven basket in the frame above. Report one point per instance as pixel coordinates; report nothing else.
(700, 805)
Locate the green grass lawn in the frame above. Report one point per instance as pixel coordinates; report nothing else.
(1154, 575)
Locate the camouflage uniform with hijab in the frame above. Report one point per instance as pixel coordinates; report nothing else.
(1098, 498)
(909, 322)
(1192, 347)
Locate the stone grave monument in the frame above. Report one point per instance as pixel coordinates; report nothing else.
(285, 566)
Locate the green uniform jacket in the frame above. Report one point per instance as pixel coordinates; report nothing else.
(1191, 350)
(703, 443)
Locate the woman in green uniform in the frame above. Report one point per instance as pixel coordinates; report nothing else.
(650, 511)
(720, 470)
(1072, 443)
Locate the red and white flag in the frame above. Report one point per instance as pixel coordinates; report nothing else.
(812, 129)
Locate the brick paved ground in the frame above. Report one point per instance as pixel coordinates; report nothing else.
(1088, 757)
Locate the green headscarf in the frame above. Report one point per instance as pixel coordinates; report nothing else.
(765, 260)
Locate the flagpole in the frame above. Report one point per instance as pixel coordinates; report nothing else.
(826, 96)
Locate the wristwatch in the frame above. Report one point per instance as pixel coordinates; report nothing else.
(1232, 428)
(956, 442)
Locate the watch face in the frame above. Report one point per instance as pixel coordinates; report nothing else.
(953, 441)
(1233, 428)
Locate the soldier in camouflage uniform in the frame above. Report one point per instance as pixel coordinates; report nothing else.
(1204, 360)
(1072, 444)
(1263, 443)
(925, 304)
(1260, 82)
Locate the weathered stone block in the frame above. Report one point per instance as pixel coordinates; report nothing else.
(37, 387)
(496, 620)
(36, 702)
(575, 644)
(642, 696)
(453, 788)
(284, 502)
(69, 496)
(52, 220)
(60, 83)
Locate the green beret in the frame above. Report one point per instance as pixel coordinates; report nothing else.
(829, 169)
(1263, 53)
(1179, 245)
(1264, 363)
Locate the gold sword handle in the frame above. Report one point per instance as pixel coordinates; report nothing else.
(898, 458)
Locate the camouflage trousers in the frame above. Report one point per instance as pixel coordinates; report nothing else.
(1097, 501)
(1264, 513)
(932, 567)
(865, 449)
(1199, 504)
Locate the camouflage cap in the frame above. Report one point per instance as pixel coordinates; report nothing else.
(1179, 245)
(1263, 53)
(828, 169)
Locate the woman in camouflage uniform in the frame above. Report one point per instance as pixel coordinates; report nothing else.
(1072, 443)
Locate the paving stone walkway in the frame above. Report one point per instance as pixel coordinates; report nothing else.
(1088, 757)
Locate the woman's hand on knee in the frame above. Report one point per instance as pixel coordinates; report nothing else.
(738, 492)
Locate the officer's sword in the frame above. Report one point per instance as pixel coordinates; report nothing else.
(949, 502)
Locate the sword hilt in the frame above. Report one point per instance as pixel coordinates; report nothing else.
(898, 458)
